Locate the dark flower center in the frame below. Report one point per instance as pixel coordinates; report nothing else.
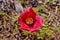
(29, 21)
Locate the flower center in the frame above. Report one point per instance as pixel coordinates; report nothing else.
(29, 21)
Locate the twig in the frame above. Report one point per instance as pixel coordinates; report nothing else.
(56, 9)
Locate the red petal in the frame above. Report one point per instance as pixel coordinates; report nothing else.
(37, 24)
(28, 13)
(23, 25)
(38, 21)
(32, 13)
(24, 15)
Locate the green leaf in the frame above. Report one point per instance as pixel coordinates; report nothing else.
(42, 8)
(47, 30)
(3, 13)
(51, 1)
(26, 33)
(16, 26)
(44, 30)
(48, 33)
(41, 35)
(58, 28)
(22, 1)
(45, 22)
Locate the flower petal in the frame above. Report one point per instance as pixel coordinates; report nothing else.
(38, 21)
(33, 29)
(32, 13)
(28, 13)
(37, 24)
(24, 15)
(24, 27)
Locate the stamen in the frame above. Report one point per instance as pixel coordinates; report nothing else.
(29, 21)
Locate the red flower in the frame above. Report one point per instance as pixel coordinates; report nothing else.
(29, 20)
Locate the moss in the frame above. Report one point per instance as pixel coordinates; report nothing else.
(3, 13)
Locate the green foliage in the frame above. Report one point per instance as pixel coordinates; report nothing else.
(26, 33)
(44, 30)
(36, 10)
(51, 1)
(16, 26)
(22, 1)
(58, 28)
(42, 8)
(40, 34)
(3, 13)
(45, 21)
